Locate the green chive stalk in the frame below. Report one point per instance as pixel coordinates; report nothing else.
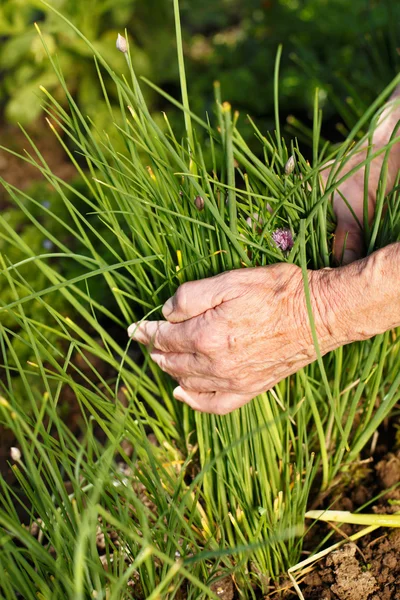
(213, 495)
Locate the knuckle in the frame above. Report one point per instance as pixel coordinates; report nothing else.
(202, 341)
(170, 369)
(181, 296)
(188, 383)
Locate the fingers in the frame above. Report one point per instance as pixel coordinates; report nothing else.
(217, 403)
(193, 371)
(196, 297)
(164, 336)
(180, 365)
(388, 119)
(348, 244)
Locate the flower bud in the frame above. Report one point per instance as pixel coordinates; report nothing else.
(199, 202)
(290, 165)
(122, 44)
(15, 454)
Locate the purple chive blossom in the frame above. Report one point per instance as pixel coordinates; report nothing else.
(46, 203)
(283, 239)
(47, 244)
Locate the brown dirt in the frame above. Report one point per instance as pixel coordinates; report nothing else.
(224, 588)
(370, 569)
(18, 172)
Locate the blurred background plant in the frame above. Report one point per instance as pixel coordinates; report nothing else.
(23, 59)
(231, 40)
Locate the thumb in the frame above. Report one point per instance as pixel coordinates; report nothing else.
(196, 297)
(348, 244)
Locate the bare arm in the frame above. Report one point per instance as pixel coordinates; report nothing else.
(374, 288)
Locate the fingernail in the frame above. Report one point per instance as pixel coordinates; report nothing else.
(156, 358)
(179, 394)
(135, 333)
(131, 329)
(168, 308)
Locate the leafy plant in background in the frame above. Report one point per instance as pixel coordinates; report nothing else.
(23, 61)
(230, 40)
(348, 59)
(215, 496)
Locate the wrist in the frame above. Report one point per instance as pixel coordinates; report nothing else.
(333, 300)
(379, 290)
(364, 296)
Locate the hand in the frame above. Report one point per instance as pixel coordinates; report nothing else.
(230, 337)
(349, 235)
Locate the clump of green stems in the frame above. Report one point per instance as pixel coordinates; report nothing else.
(219, 495)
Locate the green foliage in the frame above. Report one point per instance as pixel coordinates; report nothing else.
(230, 40)
(23, 59)
(347, 49)
(228, 494)
(38, 235)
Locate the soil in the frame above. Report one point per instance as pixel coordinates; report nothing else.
(20, 173)
(370, 569)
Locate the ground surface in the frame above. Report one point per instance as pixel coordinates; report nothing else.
(20, 173)
(370, 569)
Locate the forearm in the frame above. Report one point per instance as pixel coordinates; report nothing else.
(370, 294)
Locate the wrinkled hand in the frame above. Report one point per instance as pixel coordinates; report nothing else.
(349, 235)
(230, 337)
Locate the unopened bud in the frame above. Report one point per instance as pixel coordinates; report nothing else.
(199, 202)
(151, 173)
(290, 165)
(122, 44)
(15, 454)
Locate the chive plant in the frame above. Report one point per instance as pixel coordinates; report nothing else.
(215, 495)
